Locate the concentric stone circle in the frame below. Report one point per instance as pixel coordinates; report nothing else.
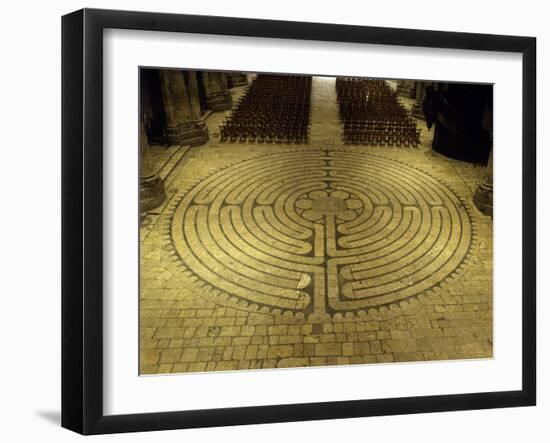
(314, 205)
(321, 231)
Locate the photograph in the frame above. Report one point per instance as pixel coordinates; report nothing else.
(272, 222)
(292, 220)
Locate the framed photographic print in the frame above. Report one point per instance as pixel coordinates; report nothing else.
(270, 221)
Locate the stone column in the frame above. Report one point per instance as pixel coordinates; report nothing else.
(151, 186)
(416, 110)
(218, 97)
(184, 122)
(237, 79)
(483, 196)
(406, 88)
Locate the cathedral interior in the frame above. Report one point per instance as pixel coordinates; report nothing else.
(293, 221)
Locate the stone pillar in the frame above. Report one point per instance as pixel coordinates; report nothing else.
(218, 97)
(184, 122)
(406, 88)
(237, 79)
(483, 196)
(416, 110)
(151, 187)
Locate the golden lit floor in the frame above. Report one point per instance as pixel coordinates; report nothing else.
(321, 254)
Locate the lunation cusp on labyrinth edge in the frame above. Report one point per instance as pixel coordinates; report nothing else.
(321, 231)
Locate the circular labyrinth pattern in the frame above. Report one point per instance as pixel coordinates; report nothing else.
(321, 232)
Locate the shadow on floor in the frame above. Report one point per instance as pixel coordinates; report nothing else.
(54, 417)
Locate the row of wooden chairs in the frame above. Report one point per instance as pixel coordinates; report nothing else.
(366, 135)
(274, 109)
(371, 114)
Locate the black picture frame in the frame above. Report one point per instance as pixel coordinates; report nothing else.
(82, 220)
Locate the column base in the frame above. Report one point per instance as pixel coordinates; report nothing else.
(219, 100)
(190, 133)
(406, 89)
(151, 193)
(416, 112)
(483, 198)
(235, 80)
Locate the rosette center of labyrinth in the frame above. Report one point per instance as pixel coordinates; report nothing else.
(320, 232)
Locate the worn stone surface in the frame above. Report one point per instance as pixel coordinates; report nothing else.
(321, 254)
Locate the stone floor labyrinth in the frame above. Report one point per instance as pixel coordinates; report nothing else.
(318, 233)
